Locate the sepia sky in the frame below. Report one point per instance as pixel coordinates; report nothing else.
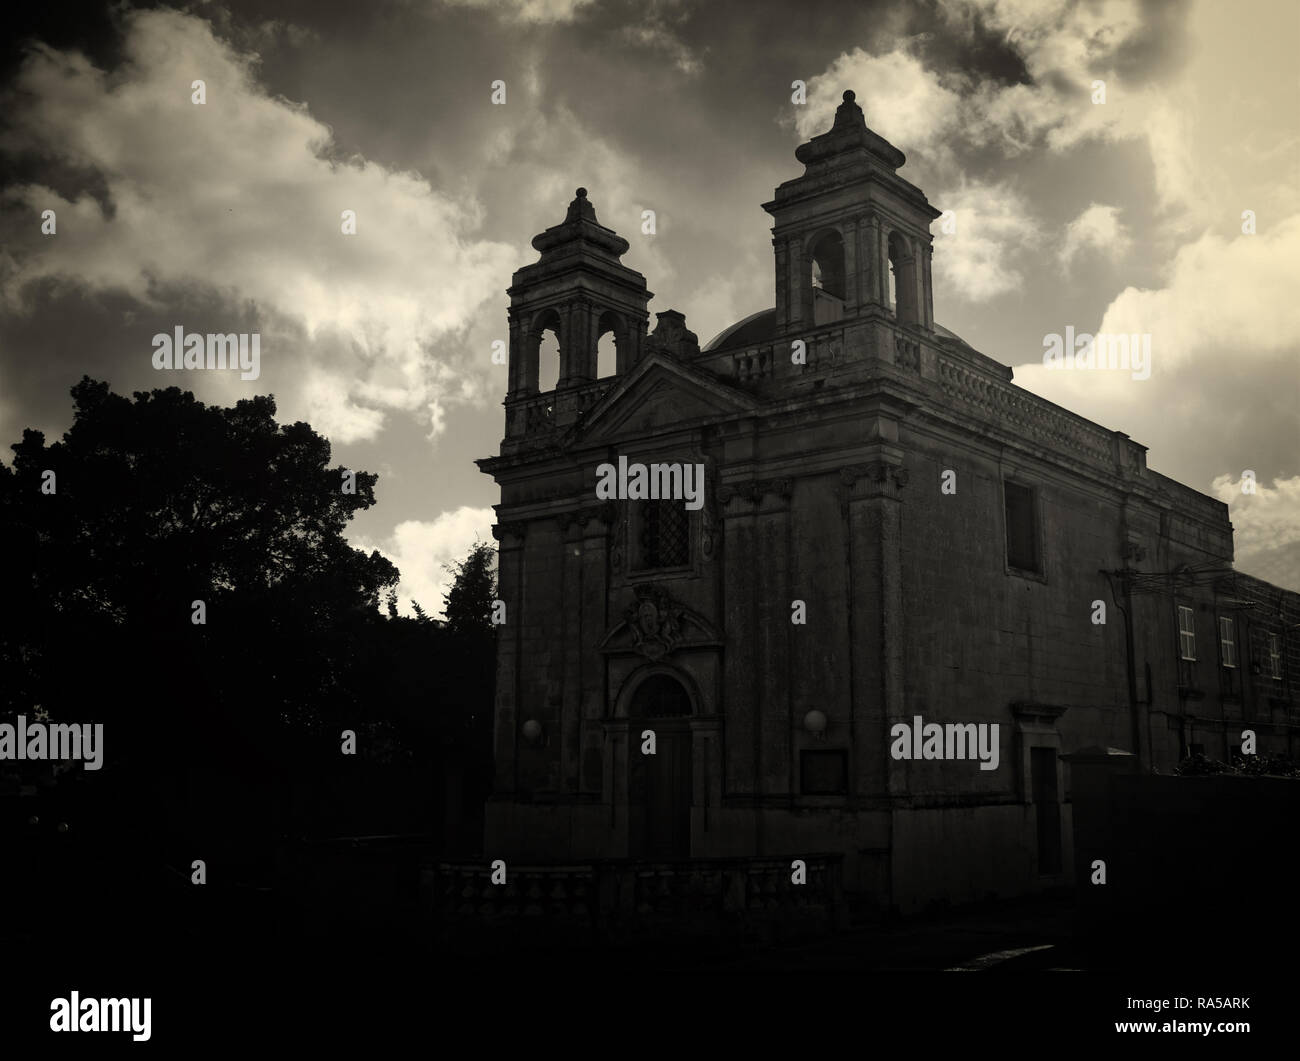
(1124, 216)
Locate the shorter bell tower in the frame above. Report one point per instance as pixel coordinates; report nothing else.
(581, 290)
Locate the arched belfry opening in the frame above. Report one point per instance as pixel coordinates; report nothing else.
(544, 351)
(611, 342)
(903, 280)
(826, 278)
(579, 292)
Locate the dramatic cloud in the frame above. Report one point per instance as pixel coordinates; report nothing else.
(238, 198)
(1224, 351)
(1266, 527)
(1224, 299)
(1223, 296)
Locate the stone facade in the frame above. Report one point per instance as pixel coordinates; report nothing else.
(826, 428)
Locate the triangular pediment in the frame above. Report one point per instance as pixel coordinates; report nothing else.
(659, 394)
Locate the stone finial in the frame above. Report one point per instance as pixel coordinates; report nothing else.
(580, 226)
(848, 134)
(581, 207)
(849, 114)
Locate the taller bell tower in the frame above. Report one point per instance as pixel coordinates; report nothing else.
(850, 235)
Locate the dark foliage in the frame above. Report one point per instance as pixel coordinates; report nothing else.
(222, 740)
(1241, 765)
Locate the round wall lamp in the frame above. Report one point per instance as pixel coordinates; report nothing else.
(815, 723)
(532, 731)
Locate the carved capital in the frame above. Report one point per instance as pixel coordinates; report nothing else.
(514, 529)
(780, 487)
(565, 520)
(852, 473)
(873, 479)
(606, 512)
(746, 491)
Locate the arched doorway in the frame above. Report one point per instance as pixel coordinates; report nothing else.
(659, 790)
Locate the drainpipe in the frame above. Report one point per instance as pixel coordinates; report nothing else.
(1124, 604)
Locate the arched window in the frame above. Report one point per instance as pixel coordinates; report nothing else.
(548, 366)
(828, 264)
(902, 279)
(546, 350)
(660, 696)
(826, 285)
(610, 339)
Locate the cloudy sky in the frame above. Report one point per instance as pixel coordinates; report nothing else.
(1122, 216)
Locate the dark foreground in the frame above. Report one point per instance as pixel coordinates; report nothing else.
(337, 947)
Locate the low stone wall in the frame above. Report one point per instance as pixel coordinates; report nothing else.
(1193, 865)
(626, 900)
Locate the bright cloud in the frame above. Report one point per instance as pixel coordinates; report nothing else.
(994, 226)
(420, 548)
(1224, 297)
(1269, 518)
(527, 11)
(1097, 228)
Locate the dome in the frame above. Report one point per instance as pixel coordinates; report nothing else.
(759, 327)
(754, 329)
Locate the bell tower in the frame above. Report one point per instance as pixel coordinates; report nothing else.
(581, 290)
(850, 235)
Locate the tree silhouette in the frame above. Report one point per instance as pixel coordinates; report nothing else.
(468, 602)
(160, 502)
(221, 737)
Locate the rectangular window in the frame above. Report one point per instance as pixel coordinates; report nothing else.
(1274, 657)
(1227, 641)
(823, 773)
(665, 539)
(1186, 633)
(1022, 527)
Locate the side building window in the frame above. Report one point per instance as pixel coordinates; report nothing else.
(1022, 527)
(1227, 641)
(1229, 678)
(1274, 657)
(1186, 633)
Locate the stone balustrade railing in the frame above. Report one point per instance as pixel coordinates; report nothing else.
(1025, 413)
(537, 414)
(629, 896)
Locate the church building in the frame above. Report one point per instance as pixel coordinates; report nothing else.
(892, 541)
